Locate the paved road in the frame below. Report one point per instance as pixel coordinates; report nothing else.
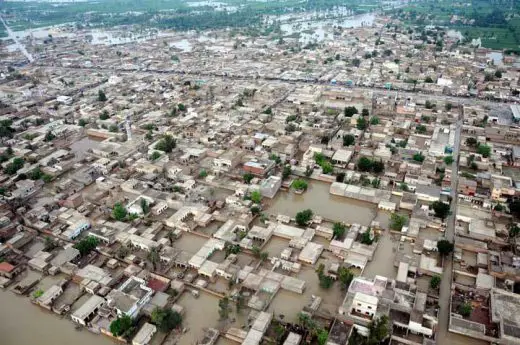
(16, 41)
(445, 288)
(377, 90)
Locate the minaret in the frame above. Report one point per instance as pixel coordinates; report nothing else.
(128, 128)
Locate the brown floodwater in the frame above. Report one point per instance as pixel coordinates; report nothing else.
(322, 203)
(23, 323)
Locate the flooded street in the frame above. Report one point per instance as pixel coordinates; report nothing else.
(321, 202)
(23, 323)
(383, 262)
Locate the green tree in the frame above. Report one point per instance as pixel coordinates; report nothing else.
(435, 282)
(181, 107)
(113, 128)
(256, 196)
(374, 120)
(428, 80)
(166, 319)
(223, 308)
(255, 210)
(104, 115)
(448, 160)
(465, 309)
(350, 111)
(378, 330)
(441, 209)
(145, 206)
(378, 166)
(155, 156)
(397, 221)
(418, 157)
(366, 237)
(304, 217)
(448, 106)
(203, 173)
(248, 177)
(345, 276)
(86, 245)
(349, 140)
(82, 122)
(299, 185)
(154, 257)
(471, 141)
(364, 164)
(119, 212)
(286, 171)
(322, 336)
(421, 129)
(49, 136)
(445, 247)
(166, 144)
(338, 230)
(365, 112)
(484, 150)
(35, 174)
(327, 168)
(256, 251)
(514, 230)
(101, 96)
(122, 326)
(361, 124)
(275, 158)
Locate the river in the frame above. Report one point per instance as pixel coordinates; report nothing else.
(23, 323)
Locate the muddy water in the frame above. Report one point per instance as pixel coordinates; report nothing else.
(23, 323)
(383, 261)
(81, 147)
(321, 202)
(457, 339)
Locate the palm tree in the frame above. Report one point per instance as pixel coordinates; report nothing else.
(154, 257)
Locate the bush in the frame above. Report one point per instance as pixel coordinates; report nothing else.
(300, 185)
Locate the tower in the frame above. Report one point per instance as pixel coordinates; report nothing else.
(128, 128)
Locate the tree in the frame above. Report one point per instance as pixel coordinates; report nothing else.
(349, 140)
(378, 166)
(444, 247)
(471, 141)
(378, 330)
(448, 106)
(498, 207)
(101, 96)
(113, 129)
(145, 206)
(465, 309)
(35, 174)
(203, 173)
(299, 185)
(16, 164)
(255, 210)
(119, 212)
(104, 115)
(223, 308)
(264, 256)
(340, 177)
(82, 122)
(428, 80)
(306, 321)
(166, 144)
(498, 74)
(155, 156)
(166, 319)
(364, 164)
(441, 209)
(181, 107)
(286, 172)
(429, 105)
(397, 221)
(49, 136)
(435, 282)
(248, 177)
(256, 196)
(514, 230)
(421, 129)
(361, 124)
(275, 158)
(304, 217)
(365, 112)
(484, 150)
(366, 237)
(418, 157)
(154, 257)
(327, 168)
(122, 326)
(338, 230)
(374, 120)
(86, 245)
(322, 336)
(350, 111)
(325, 281)
(256, 251)
(345, 276)
(448, 160)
